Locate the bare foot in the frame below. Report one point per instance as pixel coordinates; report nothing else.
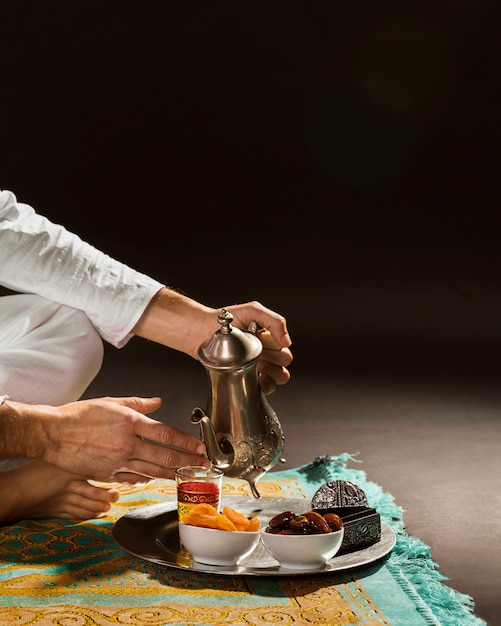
(38, 489)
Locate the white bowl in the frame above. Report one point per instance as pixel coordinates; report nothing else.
(217, 547)
(302, 551)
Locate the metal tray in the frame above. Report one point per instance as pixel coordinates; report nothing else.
(151, 533)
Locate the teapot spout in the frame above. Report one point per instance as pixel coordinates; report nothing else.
(253, 488)
(221, 458)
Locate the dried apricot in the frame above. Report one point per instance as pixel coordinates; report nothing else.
(253, 525)
(223, 523)
(241, 522)
(207, 516)
(196, 519)
(204, 509)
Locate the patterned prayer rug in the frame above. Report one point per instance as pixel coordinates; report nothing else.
(54, 572)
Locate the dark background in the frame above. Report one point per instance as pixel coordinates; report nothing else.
(334, 160)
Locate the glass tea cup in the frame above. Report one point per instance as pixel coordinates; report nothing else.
(197, 485)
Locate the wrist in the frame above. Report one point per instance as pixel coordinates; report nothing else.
(176, 321)
(22, 430)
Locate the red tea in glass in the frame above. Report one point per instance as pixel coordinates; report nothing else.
(196, 485)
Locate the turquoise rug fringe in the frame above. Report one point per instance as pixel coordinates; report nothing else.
(410, 561)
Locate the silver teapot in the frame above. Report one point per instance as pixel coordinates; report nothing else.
(240, 429)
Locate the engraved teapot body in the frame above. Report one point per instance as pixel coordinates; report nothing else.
(240, 429)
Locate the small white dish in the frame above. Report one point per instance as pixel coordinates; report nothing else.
(302, 552)
(217, 547)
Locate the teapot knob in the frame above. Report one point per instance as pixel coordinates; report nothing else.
(225, 318)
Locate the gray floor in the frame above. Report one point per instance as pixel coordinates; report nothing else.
(428, 435)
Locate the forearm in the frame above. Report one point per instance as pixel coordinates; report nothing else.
(176, 321)
(21, 431)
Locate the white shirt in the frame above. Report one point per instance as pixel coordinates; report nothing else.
(43, 258)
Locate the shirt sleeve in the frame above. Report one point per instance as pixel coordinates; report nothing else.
(40, 257)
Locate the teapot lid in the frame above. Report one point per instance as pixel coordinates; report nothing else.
(229, 347)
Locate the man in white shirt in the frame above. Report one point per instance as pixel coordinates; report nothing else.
(69, 298)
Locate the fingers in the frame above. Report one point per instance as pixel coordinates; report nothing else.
(265, 318)
(163, 464)
(136, 403)
(148, 428)
(268, 384)
(270, 376)
(131, 479)
(273, 334)
(158, 450)
(269, 343)
(168, 436)
(277, 356)
(272, 364)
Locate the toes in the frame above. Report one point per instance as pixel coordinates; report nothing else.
(79, 513)
(91, 492)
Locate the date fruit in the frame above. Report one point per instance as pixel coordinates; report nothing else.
(334, 521)
(310, 523)
(281, 521)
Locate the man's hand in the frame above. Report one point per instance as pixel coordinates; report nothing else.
(272, 331)
(108, 439)
(183, 324)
